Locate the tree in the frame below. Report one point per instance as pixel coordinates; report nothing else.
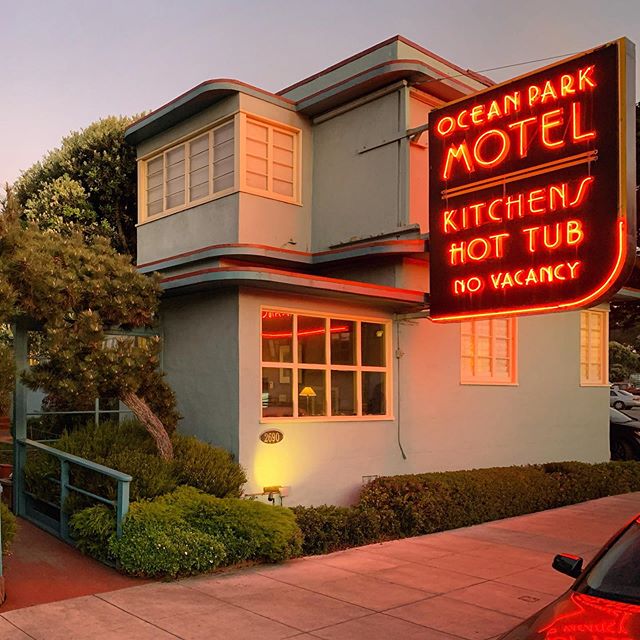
(623, 361)
(85, 298)
(89, 181)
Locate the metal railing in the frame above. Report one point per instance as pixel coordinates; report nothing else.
(120, 504)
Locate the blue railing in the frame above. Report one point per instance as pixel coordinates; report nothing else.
(60, 526)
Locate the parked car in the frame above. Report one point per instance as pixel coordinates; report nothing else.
(620, 399)
(624, 436)
(604, 601)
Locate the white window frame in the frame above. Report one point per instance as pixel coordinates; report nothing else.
(297, 155)
(512, 333)
(184, 142)
(358, 368)
(603, 379)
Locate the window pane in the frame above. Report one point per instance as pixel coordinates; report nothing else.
(283, 188)
(343, 342)
(466, 345)
(225, 182)
(283, 157)
(374, 393)
(277, 399)
(256, 181)
(484, 346)
(199, 146)
(483, 327)
(343, 393)
(311, 340)
(175, 200)
(223, 167)
(501, 328)
(256, 131)
(283, 140)
(277, 336)
(373, 344)
(483, 367)
(282, 173)
(467, 367)
(154, 166)
(502, 368)
(153, 208)
(223, 134)
(311, 392)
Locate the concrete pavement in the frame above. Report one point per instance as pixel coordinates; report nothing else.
(469, 583)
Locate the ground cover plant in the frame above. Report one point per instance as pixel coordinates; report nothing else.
(411, 505)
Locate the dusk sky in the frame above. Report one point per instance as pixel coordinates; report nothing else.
(67, 63)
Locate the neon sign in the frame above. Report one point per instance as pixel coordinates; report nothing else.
(531, 192)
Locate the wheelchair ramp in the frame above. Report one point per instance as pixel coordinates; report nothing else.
(41, 569)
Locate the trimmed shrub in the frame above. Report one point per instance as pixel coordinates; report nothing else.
(188, 532)
(207, 468)
(424, 503)
(92, 528)
(158, 542)
(410, 505)
(9, 527)
(250, 530)
(127, 447)
(328, 528)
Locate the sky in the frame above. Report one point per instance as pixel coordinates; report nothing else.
(67, 63)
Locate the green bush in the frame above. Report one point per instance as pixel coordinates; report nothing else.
(410, 505)
(188, 532)
(158, 542)
(92, 528)
(207, 468)
(250, 530)
(8, 528)
(127, 447)
(328, 528)
(424, 503)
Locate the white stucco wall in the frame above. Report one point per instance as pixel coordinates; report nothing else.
(546, 417)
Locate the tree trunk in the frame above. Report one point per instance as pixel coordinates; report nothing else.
(151, 422)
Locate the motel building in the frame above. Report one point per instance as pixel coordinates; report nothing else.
(292, 235)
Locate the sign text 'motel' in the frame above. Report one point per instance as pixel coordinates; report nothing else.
(531, 190)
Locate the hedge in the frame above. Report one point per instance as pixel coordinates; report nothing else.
(187, 532)
(411, 505)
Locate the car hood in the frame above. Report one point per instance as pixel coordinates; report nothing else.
(581, 617)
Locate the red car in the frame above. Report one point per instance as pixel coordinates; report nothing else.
(604, 601)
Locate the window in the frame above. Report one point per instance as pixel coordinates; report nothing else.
(593, 348)
(314, 365)
(270, 159)
(488, 351)
(191, 172)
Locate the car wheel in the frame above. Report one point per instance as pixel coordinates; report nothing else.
(618, 404)
(622, 450)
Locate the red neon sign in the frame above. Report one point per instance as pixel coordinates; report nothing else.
(530, 206)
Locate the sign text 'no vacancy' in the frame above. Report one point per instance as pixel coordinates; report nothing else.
(532, 203)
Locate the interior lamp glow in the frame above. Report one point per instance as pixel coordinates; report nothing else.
(307, 392)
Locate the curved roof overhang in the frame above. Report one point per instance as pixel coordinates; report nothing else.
(287, 281)
(192, 102)
(415, 72)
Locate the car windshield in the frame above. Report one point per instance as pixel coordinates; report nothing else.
(616, 575)
(617, 417)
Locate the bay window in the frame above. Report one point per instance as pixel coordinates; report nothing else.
(315, 366)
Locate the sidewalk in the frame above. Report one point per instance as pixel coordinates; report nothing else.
(469, 583)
